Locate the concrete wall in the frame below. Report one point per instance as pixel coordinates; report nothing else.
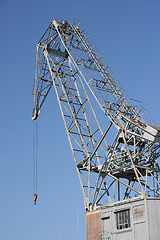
(153, 218)
(144, 221)
(137, 228)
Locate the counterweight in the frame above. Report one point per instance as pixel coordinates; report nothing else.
(115, 144)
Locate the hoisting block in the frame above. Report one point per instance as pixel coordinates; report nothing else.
(35, 198)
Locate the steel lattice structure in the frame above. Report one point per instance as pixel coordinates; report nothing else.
(115, 145)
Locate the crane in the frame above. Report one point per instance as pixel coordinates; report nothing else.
(115, 143)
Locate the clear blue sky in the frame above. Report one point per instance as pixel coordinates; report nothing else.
(127, 33)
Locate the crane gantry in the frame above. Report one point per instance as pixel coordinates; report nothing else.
(115, 144)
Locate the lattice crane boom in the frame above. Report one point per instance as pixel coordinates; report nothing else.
(115, 145)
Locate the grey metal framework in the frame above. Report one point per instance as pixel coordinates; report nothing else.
(114, 143)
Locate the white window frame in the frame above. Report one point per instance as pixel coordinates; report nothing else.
(123, 219)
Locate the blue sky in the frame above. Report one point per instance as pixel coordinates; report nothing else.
(127, 33)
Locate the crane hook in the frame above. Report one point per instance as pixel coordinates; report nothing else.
(35, 198)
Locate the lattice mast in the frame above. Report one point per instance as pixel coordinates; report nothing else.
(114, 144)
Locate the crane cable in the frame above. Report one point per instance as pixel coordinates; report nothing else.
(35, 159)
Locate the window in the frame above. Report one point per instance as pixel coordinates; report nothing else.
(123, 219)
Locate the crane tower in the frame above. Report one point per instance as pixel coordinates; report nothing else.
(114, 142)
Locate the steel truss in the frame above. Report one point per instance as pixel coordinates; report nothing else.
(114, 143)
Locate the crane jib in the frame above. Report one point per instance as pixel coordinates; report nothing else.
(114, 141)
